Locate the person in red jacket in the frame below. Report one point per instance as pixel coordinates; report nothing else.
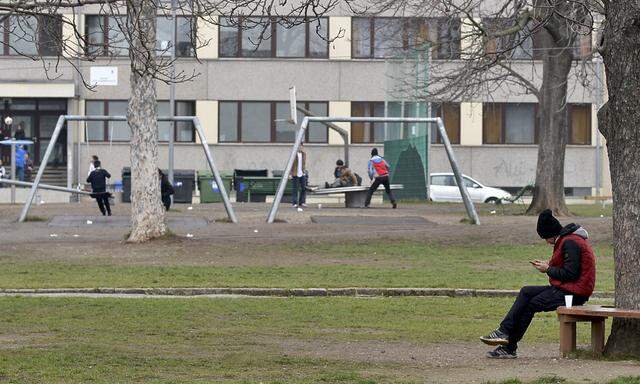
(571, 271)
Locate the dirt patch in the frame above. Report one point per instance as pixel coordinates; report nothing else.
(458, 362)
(224, 244)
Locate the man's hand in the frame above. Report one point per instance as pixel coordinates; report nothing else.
(540, 265)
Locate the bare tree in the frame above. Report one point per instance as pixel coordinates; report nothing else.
(35, 30)
(501, 39)
(619, 122)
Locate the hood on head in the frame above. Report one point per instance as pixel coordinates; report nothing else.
(576, 229)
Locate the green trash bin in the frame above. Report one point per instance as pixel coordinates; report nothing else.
(209, 192)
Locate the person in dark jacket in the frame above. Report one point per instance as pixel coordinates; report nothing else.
(98, 179)
(166, 189)
(571, 271)
(344, 176)
(20, 133)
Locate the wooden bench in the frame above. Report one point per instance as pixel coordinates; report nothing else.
(596, 314)
(602, 199)
(354, 197)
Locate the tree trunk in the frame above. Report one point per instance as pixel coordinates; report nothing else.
(147, 213)
(552, 124)
(619, 122)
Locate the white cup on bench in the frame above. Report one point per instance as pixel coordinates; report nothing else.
(568, 301)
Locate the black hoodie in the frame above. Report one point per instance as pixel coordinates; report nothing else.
(98, 179)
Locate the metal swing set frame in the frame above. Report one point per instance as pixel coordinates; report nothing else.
(64, 118)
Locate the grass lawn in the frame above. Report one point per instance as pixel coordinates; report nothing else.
(373, 264)
(73, 340)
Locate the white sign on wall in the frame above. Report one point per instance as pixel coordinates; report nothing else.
(104, 76)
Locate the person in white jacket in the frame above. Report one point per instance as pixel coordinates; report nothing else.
(92, 167)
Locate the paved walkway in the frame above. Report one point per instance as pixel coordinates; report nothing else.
(268, 292)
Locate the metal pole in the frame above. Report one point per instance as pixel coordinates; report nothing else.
(214, 170)
(428, 170)
(43, 186)
(172, 90)
(471, 211)
(70, 155)
(287, 169)
(43, 164)
(345, 138)
(13, 170)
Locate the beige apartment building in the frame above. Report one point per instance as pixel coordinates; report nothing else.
(241, 90)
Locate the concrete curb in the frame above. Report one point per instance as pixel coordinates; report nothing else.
(285, 292)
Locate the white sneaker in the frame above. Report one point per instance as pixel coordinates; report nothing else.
(294, 205)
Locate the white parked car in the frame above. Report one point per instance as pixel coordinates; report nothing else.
(445, 188)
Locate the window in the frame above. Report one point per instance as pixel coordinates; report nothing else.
(263, 122)
(450, 114)
(255, 121)
(270, 37)
(105, 36)
(384, 37)
(32, 35)
(518, 46)
(468, 183)
(526, 45)
(185, 29)
(183, 130)
(107, 130)
(119, 130)
(582, 46)
(579, 124)
(509, 123)
(255, 37)
(367, 132)
(444, 180)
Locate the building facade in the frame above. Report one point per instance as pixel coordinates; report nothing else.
(339, 66)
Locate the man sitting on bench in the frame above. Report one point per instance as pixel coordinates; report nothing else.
(344, 177)
(571, 271)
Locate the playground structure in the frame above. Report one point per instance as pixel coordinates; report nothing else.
(441, 129)
(44, 186)
(64, 118)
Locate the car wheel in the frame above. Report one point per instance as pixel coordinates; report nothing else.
(493, 200)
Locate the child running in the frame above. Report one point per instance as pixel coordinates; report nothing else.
(98, 179)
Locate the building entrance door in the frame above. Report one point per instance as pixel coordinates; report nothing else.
(35, 120)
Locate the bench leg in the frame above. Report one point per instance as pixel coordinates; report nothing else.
(597, 337)
(355, 199)
(567, 336)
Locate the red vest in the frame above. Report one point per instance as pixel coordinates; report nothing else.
(381, 168)
(587, 280)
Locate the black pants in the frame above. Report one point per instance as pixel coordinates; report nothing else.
(166, 201)
(384, 180)
(103, 203)
(532, 299)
